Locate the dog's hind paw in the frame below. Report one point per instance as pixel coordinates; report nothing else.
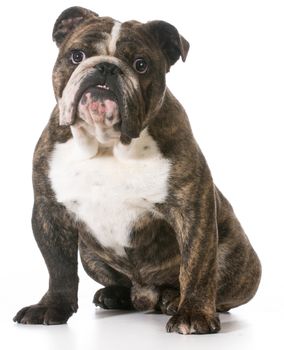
(113, 297)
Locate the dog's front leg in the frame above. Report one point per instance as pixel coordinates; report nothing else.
(58, 242)
(196, 229)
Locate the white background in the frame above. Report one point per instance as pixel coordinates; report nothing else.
(232, 86)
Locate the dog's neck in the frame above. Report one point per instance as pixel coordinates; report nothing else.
(88, 146)
(90, 140)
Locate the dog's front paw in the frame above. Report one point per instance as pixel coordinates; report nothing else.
(197, 323)
(44, 314)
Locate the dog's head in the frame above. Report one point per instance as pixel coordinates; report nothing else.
(112, 74)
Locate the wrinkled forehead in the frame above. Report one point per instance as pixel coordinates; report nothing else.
(105, 36)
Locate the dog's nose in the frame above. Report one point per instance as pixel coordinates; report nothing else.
(108, 68)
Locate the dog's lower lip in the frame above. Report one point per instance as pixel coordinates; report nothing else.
(103, 91)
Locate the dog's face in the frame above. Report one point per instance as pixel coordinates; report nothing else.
(111, 75)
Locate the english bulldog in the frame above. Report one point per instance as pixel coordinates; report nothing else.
(118, 175)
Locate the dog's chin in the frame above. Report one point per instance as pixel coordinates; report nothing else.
(106, 136)
(99, 111)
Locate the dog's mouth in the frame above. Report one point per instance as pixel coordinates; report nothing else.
(99, 105)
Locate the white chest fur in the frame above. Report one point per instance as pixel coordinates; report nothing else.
(110, 192)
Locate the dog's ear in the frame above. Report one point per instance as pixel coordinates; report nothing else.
(172, 44)
(68, 21)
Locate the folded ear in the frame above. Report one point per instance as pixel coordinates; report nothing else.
(170, 41)
(68, 21)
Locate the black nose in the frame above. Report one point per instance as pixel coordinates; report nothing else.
(108, 68)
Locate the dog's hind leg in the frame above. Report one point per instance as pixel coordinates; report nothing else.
(117, 291)
(239, 269)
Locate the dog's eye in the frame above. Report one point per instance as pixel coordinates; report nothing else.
(140, 65)
(77, 56)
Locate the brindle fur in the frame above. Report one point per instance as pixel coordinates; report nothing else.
(194, 254)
